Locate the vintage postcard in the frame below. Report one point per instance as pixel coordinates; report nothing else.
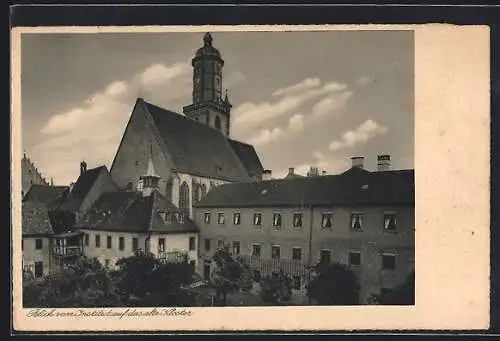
(250, 178)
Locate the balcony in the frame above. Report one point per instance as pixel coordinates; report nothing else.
(68, 251)
(177, 256)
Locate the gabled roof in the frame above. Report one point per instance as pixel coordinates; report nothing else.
(353, 187)
(248, 156)
(131, 212)
(81, 188)
(196, 148)
(46, 195)
(36, 221)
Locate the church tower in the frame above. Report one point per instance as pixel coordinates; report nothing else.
(210, 105)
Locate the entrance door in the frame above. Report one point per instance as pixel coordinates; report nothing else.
(38, 269)
(206, 271)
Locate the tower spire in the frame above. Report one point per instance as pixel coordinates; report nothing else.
(151, 178)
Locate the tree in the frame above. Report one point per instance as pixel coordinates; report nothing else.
(82, 284)
(151, 282)
(276, 288)
(403, 294)
(333, 284)
(228, 274)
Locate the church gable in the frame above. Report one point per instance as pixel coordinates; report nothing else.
(131, 159)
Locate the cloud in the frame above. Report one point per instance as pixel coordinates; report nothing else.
(266, 136)
(234, 78)
(332, 104)
(159, 74)
(254, 113)
(307, 83)
(93, 129)
(366, 131)
(296, 122)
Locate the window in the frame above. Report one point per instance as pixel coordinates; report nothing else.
(236, 247)
(325, 256)
(175, 216)
(275, 252)
(181, 218)
(109, 243)
(297, 220)
(256, 250)
(203, 190)
(236, 218)
(388, 261)
(354, 258)
(139, 185)
(389, 222)
(168, 217)
(38, 269)
(206, 218)
(220, 244)
(207, 245)
(217, 122)
(297, 253)
(184, 197)
(192, 244)
(326, 220)
(257, 219)
(220, 218)
(357, 221)
(135, 244)
(97, 240)
(296, 282)
(277, 220)
(86, 239)
(168, 190)
(161, 244)
(38, 244)
(121, 243)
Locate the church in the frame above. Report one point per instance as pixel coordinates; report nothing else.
(192, 153)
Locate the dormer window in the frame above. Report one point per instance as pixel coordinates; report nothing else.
(181, 218)
(167, 216)
(176, 216)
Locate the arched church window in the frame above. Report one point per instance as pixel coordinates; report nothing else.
(198, 193)
(203, 190)
(184, 197)
(217, 122)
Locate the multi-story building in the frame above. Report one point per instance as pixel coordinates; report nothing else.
(360, 218)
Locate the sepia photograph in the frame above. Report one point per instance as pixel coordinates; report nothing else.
(250, 178)
(218, 169)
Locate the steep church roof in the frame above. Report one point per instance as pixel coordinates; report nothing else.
(196, 148)
(131, 212)
(351, 188)
(248, 157)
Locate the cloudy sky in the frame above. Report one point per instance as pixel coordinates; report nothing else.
(302, 98)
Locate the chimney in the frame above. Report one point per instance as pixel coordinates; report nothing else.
(266, 174)
(83, 167)
(357, 161)
(291, 171)
(383, 162)
(313, 171)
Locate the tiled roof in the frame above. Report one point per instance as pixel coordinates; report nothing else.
(131, 212)
(353, 187)
(35, 219)
(248, 157)
(47, 195)
(195, 147)
(81, 188)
